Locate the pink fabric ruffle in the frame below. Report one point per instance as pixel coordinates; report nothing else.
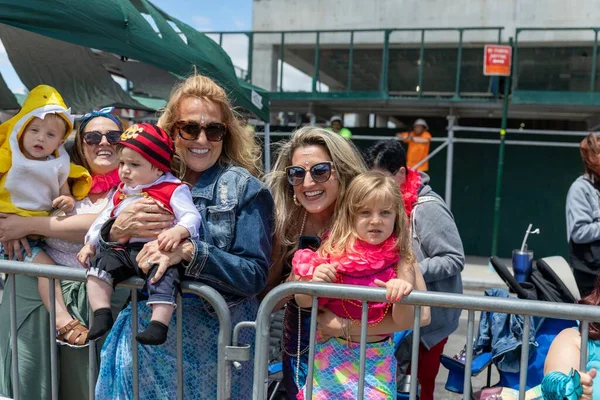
(103, 183)
(410, 190)
(363, 257)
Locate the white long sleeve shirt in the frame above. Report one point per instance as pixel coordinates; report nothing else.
(185, 211)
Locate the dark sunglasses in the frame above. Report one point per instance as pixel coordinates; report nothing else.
(94, 137)
(190, 130)
(320, 172)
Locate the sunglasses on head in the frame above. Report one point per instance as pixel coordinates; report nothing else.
(320, 172)
(190, 130)
(94, 137)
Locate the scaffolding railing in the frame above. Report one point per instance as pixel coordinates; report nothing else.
(353, 44)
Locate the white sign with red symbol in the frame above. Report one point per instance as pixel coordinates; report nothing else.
(497, 60)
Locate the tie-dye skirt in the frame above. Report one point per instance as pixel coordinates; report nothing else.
(336, 371)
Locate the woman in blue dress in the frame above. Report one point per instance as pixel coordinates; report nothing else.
(221, 162)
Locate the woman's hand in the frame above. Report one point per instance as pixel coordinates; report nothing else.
(396, 289)
(151, 255)
(13, 248)
(143, 219)
(586, 383)
(13, 227)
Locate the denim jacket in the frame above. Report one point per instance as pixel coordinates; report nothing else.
(503, 333)
(233, 251)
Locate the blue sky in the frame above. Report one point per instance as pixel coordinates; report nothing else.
(222, 15)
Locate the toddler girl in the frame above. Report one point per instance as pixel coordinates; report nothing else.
(367, 244)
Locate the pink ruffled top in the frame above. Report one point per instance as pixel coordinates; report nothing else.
(361, 266)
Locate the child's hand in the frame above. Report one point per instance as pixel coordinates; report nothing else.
(396, 289)
(85, 254)
(325, 273)
(64, 203)
(169, 239)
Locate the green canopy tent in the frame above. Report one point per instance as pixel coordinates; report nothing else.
(119, 26)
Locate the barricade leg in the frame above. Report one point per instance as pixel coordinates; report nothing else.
(134, 346)
(12, 281)
(469, 360)
(93, 370)
(363, 350)
(524, 358)
(179, 348)
(414, 363)
(53, 348)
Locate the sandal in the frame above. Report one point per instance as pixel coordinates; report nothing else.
(74, 334)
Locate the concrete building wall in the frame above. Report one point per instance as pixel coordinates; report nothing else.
(364, 14)
(270, 15)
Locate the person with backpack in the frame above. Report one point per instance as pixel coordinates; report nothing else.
(583, 217)
(437, 246)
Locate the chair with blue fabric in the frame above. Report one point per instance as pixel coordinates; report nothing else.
(403, 350)
(552, 281)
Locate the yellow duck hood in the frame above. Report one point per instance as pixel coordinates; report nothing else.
(41, 101)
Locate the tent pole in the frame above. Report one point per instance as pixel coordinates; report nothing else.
(267, 151)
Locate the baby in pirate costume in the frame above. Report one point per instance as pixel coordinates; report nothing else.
(35, 173)
(145, 154)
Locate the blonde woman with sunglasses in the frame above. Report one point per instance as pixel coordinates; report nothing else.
(312, 172)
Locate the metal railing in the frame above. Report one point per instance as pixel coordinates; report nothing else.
(593, 30)
(226, 353)
(352, 45)
(286, 47)
(419, 299)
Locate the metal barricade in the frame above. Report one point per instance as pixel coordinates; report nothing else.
(226, 354)
(364, 294)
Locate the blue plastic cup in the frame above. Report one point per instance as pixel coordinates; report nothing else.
(522, 264)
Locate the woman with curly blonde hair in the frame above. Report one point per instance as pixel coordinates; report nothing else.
(312, 172)
(219, 159)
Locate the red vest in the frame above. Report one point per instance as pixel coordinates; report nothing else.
(161, 193)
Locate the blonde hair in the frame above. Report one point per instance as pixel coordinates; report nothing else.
(239, 146)
(288, 216)
(364, 190)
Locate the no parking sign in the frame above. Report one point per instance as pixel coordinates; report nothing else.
(497, 60)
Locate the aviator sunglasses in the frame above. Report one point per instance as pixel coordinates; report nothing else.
(190, 130)
(320, 172)
(94, 137)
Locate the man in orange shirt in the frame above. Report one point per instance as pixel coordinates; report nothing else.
(418, 141)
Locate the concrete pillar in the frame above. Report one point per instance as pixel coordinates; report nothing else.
(264, 66)
(362, 120)
(381, 121)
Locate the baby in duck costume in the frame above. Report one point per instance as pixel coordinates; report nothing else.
(35, 168)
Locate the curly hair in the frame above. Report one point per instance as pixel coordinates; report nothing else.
(590, 155)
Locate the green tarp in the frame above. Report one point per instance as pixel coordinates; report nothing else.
(83, 83)
(7, 99)
(118, 27)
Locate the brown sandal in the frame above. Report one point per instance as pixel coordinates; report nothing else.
(73, 334)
